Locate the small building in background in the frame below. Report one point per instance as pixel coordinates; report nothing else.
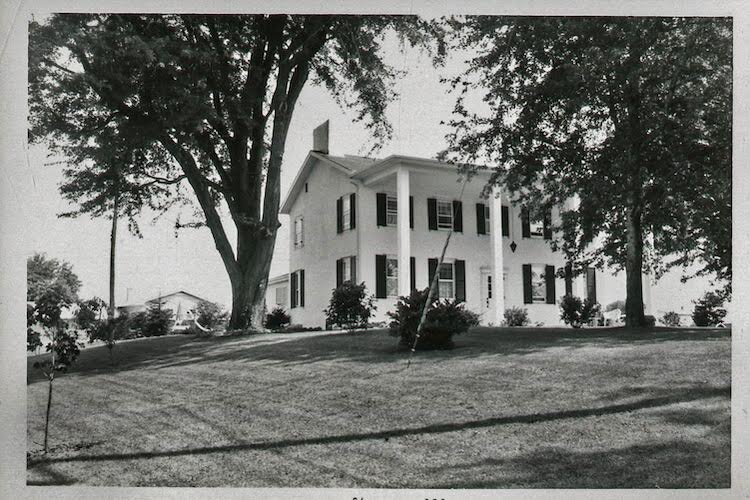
(181, 303)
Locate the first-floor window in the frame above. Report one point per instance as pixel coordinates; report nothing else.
(298, 232)
(444, 214)
(297, 280)
(538, 283)
(446, 281)
(391, 276)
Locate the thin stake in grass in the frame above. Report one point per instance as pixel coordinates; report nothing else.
(435, 279)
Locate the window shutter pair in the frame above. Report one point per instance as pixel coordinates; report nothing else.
(526, 225)
(591, 283)
(381, 278)
(340, 213)
(298, 283)
(381, 212)
(458, 218)
(549, 281)
(459, 277)
(340, 270)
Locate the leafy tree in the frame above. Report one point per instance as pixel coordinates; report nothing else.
(153, 322)
(708, 310)
(52, 286)
(213, 97)
(350, 306)
(89, 312)
(632, 116)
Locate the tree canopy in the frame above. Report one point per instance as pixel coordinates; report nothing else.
(631, 116)
(208, 99)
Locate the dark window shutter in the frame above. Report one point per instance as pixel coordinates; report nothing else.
(548, 225)
(459, 268)
(380, 198)
(432, 214)
(549, 278)
(525, 226)
(339, 215)
(527, 298)
(380, 278)
(506, 220)
(411, 212)
(591, 283)
(481, 229)
(458, 217)
(293, 300)
(353, 267)
(568, 279)
(412, 273)
(339, 272)
(431, 269)
(302, 288)
(352, 211)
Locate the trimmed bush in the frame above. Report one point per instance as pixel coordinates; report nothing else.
(210, 314)
(650, 321)
(577, 313)
(671, 319)
(154, 322)
(516, 316)
(277, 319)
(708, 310)
(350, 306)
(445, 318)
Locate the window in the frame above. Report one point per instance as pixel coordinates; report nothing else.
(446, 281)
(487, 219)
(298, 232)
(444, 215)
(281, 296)
(346, 213)
(536, 228)
(538, 283)
(297, 281)
(391, 210)
(391, 276)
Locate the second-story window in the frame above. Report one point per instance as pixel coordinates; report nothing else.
(444, 215)
(346, 213)
(299, 232)
(391, 210)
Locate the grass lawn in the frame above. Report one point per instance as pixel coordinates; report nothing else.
(508, 408)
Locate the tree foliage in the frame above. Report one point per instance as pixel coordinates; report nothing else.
(207, 100)
(632, 116)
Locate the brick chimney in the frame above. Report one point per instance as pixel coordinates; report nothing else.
(320, 138)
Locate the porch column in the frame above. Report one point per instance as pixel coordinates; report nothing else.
(404, 232)
(496, 238)
(646, 281)
(579, 282)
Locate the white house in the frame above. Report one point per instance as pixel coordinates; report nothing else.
(181, 303)
(363, 219)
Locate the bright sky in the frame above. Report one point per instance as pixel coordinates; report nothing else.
(161, 262)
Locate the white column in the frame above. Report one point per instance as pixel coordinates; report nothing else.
(496, 237)
(646, 281)
(579, 286)
(404, 232)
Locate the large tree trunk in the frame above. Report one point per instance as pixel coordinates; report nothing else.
(249, 283)
(634, 316)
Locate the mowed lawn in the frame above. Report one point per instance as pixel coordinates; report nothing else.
(507, 408)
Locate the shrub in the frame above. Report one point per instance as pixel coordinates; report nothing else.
(152, 323)
(350, 306)
(671, 319)
(299, 328)
(575, 312)
(445, 318)
(617, 304)
(516, 316)
(708, 310)
(119, 325)
(650, 320)
(210, 314)
(277, 319)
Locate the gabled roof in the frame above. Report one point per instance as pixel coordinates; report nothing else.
(356, 167)
(162, 297)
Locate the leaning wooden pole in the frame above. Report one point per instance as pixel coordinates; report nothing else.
(434, 283)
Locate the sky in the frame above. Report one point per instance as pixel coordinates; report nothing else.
(162, 262)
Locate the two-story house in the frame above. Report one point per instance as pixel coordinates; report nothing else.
(384, 222)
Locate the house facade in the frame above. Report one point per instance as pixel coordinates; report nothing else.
(384, 222)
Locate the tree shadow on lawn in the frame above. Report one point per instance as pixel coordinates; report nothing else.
(372, 347)
(675, 396)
